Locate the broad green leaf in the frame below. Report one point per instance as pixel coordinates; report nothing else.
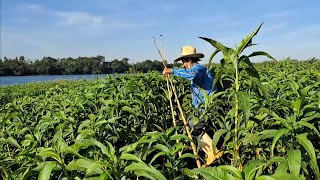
(307, 145)
(252, 72)
(263, 89)
(171, 131)
(161, 153)
(67, 149)
(217, 45)
(188, 155)
(279, 176)
(179, 137)
(129, 109)
(103, 176)
(92, 117)
(282, 121)
(313, 117)
(125, 102)
(251, 167)
(216, 137)
(90, 142)
(280, 133)
(213, 173)
(319, 99)
(244, 100)
(294, 161)
(130, 147)
(46, 171)
(163, 148)
(227, 52)
(211, 57)
(12, 141)
(41, 165)
(94, 168)
(190, 173)
(261, 53)
(108, 102)
(246, 60)
(296, 105)
(131, 157)
(111, 151)
(142, 169)
(246, 41)
(82, 165)
(218, 74)
(282, 167)
(269, 133)
(277, 160)
(178, 147)
(310, 126)
(234, 171)
(50, 152)
(305, 90)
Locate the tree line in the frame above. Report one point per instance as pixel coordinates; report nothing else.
(81, 65)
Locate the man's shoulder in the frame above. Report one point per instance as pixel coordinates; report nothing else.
(199, 66)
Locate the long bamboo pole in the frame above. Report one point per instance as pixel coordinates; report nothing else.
(168, 85)
(169, 91)
(194, 149)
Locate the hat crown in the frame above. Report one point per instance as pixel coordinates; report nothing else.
(188, 50)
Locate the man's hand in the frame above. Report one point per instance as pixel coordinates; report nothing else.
(167, 71)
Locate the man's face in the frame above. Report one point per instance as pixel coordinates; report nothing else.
(186, 63)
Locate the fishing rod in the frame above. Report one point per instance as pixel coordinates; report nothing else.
(169, 78)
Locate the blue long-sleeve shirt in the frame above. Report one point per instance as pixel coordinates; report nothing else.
(200, 77)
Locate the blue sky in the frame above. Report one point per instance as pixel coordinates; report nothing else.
(124, 28)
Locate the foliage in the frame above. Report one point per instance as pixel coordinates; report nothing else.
(120, 127)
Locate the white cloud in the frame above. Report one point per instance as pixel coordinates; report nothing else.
(278, 14)
(80, 18)
(63, 17)
(34, 8)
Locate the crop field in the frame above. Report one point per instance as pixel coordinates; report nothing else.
(121, 127)
(264, 119)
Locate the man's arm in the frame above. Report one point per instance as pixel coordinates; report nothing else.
(185, 73)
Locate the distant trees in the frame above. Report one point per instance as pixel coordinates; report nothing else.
(81, 65)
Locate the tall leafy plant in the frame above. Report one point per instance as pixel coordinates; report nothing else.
(234, 61)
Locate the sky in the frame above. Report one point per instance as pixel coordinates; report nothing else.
(120, 29)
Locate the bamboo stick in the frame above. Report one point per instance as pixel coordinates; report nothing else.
(169, 91)
(179, 107)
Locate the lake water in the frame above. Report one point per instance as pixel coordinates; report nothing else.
(11, 80)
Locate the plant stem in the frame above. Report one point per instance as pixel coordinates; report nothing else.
(8, 150)
(236, 117)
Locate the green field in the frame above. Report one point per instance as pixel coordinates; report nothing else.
(121, 127)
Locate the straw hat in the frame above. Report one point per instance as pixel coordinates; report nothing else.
(188, 51)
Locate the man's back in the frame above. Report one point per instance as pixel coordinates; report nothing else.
(200, 77)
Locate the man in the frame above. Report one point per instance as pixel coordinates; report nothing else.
(200, 78)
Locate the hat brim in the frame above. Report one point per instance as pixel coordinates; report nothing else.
(196, 55)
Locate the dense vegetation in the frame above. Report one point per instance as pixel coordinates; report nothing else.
(121, 127)
(81, 65)
(264, 119)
